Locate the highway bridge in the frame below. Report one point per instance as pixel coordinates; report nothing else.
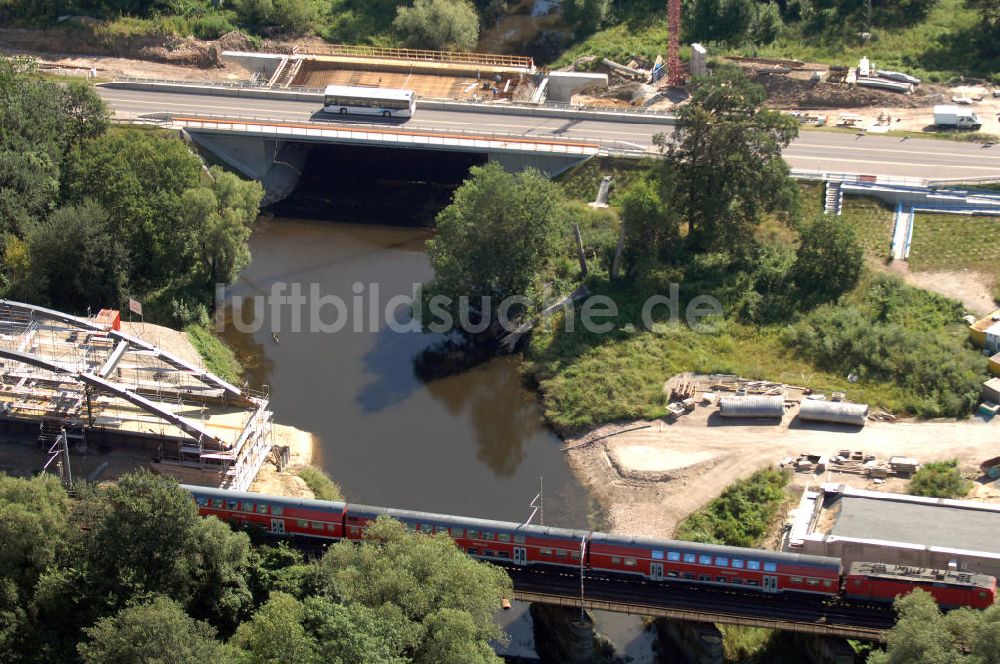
(813, 150)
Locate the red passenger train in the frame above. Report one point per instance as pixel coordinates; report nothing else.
(656, 560)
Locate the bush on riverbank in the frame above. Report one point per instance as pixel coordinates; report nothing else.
(320, 484)
(743, 513)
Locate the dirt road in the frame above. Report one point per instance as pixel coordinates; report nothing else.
(650, 479)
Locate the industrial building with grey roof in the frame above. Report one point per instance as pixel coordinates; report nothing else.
(874, 526)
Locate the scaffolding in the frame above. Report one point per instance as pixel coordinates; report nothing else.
(64, 373)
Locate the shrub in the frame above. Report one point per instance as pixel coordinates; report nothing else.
(940, 479)
(320, 484)
(450, 25)
(742, 514)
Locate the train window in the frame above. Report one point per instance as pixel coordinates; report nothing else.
(827, 583)
(812, 582)
(355, 530)
(458, 532)
(721, 562)
(657, 555)
(737, 581)
(412, 527)
(770, 567)
(673, 575)
(487, 552)
(751, 582)
(982, 595)
(689, 557)
(317, 525)
(704, 577)
(231, 505)
(331, 527)
(518, 539)
(753, 564)
(503, 537)
(560, 553)
(575, 555)
(473, 534)
(277, 511)
(472, 552)
(217, 503)
(426, 528)
(720, 579)
(302, 523)
(674, 556)
(547, 552)
(737, 563)
(486, 536)
(704, 560)
(630, 562)
(796, 579)
(202, 501)
(503, 554)
(615, 560)
(247, 507)
(857, 582)
(261, 508)
(689, 576)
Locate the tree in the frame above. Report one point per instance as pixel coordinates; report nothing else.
(724, 164)
(923, 635)
(586, 16)
(156, 631)
(294, 15)
(988, 34)
(450, 25)
(726, 21)
(76, 260)
(494, 237)
(220, 218)
(829, 259)
(356, 634)
(940, 479)
(649, 227)
(143, 536)
(33, 529)
(84, 115)
(438, 598)
(276, 635)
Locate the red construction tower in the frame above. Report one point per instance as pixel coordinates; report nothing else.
(675, 70)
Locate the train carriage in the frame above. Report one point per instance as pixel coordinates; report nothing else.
(950, 589)
(768, 571)
(277, 515)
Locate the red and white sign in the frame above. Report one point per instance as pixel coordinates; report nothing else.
(135, 306)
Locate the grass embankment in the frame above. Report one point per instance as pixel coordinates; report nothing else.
(936, 49)
(320, 483)
(219, 358)
(956, 242)
(883, 331)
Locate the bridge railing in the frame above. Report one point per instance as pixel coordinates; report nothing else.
(419, 55)
(225, 85)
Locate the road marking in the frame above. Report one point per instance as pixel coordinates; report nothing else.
(888, 163)
(907, 152)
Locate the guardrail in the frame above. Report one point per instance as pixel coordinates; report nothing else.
(418, 55)
(225, 85)
(417, 132)
(830, 176)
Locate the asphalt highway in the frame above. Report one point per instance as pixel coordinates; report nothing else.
(813, 150)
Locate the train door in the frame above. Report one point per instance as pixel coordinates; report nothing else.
(520, 555)
(770, 584)
(277, 526)
(656, 571)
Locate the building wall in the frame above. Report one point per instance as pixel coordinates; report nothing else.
(852, 551)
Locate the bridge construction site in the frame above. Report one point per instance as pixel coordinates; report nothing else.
(80, 390)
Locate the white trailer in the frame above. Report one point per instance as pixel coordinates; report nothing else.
(957, 117)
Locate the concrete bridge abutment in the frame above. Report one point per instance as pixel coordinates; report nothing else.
(275, 163)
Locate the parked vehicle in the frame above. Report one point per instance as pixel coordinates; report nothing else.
(955, 117)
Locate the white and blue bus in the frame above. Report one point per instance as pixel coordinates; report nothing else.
(386, 102)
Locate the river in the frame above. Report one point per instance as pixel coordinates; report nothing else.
(473, 444)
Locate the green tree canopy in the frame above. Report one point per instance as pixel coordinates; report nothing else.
(158, 631)
(427, 590)
(450, 25)
(650, 228)
(494, 238)
(829, 259)
(33, 529)
(940, 479)
(923, 635)
(724, 164)
(586, 16)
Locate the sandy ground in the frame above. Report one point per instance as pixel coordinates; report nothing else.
(175, 342)
(650, 479)
(970, 288)
(287, 483)
(109, 68)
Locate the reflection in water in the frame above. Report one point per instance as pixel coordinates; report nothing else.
(472, 443)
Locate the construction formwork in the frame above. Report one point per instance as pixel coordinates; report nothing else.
(107, 389)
